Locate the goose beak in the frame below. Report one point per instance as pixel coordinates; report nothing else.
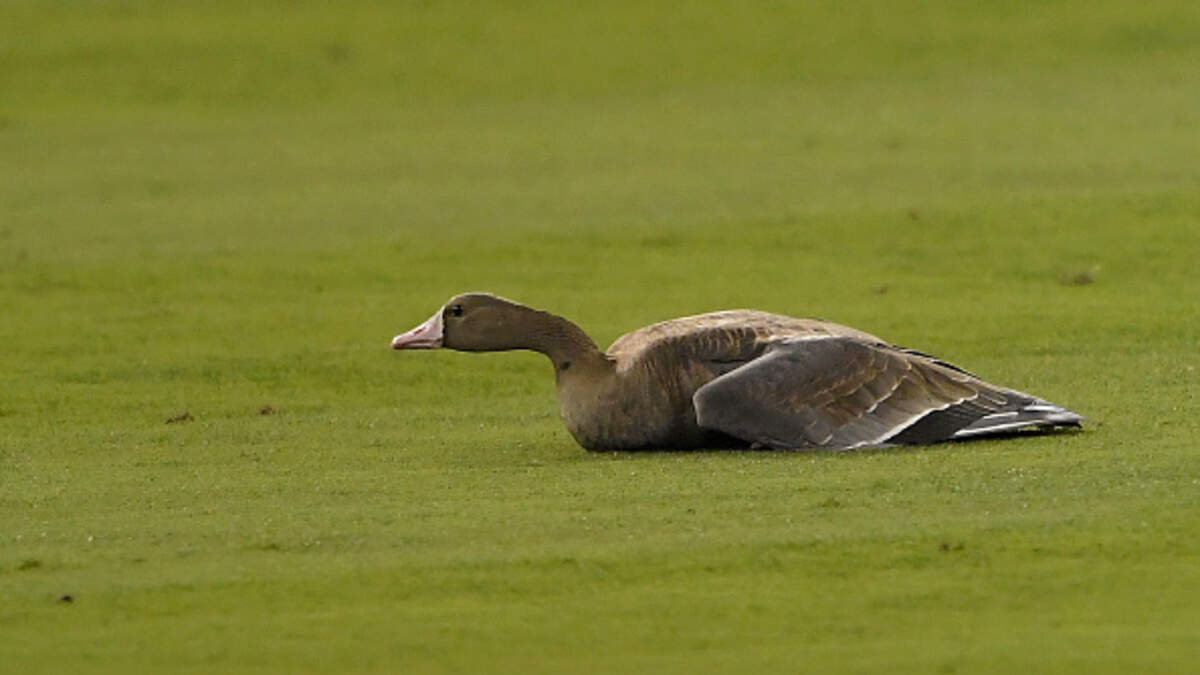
(426, 336)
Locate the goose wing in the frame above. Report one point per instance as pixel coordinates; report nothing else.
(842, 392)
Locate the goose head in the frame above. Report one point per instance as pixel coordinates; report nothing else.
(472, 322)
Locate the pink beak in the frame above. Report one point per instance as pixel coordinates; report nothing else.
(426, 336)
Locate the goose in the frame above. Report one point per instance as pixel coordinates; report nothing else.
(741, 378)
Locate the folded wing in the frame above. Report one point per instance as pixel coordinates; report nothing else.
(842, 393)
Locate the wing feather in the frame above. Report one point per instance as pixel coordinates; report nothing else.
(844, 392)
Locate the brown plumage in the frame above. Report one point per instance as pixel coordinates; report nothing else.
(740, 378)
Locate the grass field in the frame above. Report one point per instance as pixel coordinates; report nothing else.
(219, 213)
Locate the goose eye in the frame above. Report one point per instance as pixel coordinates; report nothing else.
(456, 310)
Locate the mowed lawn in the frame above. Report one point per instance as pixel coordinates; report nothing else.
(214, 216)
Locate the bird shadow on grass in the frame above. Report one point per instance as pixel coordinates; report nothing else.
(742, 450)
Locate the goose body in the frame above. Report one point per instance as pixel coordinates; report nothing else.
(741, 378)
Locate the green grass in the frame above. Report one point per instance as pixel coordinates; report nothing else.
(212, 207)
